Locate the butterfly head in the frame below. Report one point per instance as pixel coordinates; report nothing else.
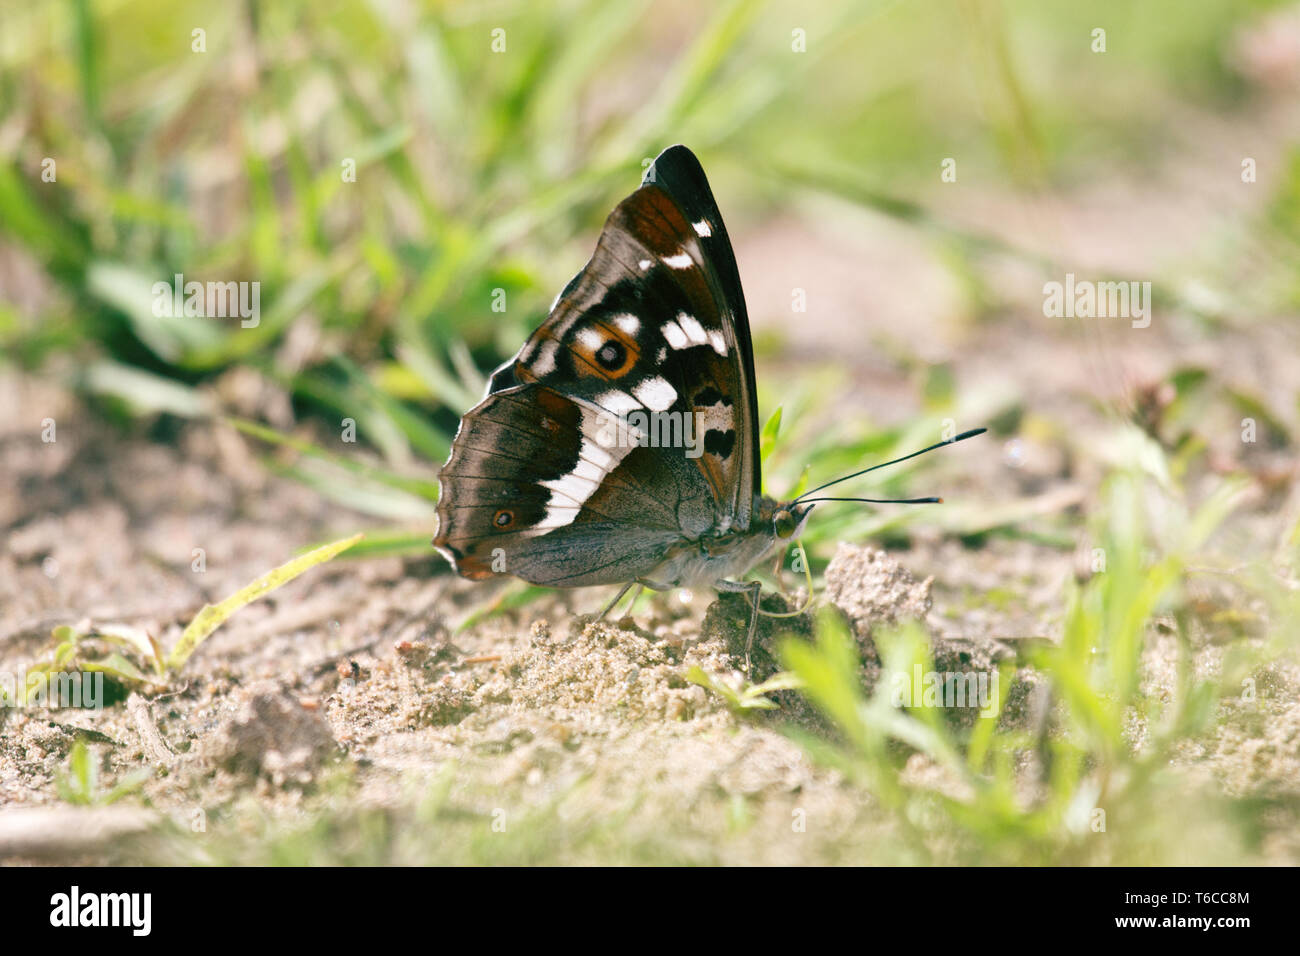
(781, 520)
(789, 518)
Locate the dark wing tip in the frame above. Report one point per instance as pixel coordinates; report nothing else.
(676, 151)
(674, 161)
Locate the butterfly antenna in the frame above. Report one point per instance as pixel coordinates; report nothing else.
(879, 501)
(884, 464)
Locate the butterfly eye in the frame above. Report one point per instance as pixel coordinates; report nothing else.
(784, 523)
(503, 518)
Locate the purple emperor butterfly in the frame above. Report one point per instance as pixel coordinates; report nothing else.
(620, 446)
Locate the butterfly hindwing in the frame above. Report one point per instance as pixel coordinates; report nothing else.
(537, 487)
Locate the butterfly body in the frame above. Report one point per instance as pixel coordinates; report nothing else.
(724, 554)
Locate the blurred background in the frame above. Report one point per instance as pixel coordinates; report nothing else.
(411, 183)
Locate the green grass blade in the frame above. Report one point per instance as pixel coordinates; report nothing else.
(214, 615)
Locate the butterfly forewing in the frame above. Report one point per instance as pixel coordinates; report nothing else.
(656, 322)
(680, 174)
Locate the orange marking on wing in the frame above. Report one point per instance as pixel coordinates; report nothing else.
(713, 467)
(592, 365)
(474, 568)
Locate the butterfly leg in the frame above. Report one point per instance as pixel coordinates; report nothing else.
(641, 583)
(754, 589)
(617, 597)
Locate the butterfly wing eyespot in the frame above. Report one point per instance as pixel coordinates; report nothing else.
(611, 355)
(504, 518)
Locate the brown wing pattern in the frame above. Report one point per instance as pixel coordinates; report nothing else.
(660, 301)
(654, 324)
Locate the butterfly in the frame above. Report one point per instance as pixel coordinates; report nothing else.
(621, 444)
